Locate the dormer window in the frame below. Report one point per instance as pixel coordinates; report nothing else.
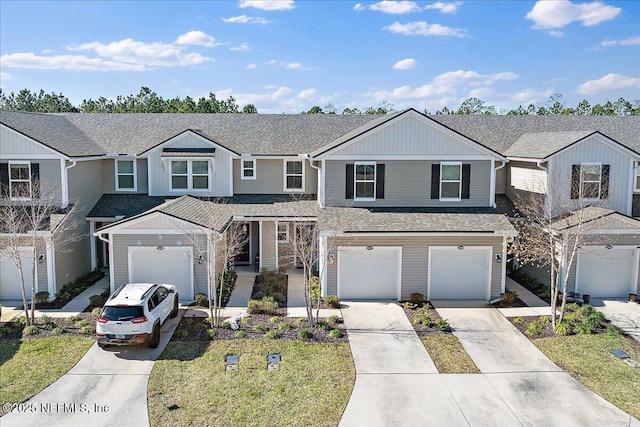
(126, 175)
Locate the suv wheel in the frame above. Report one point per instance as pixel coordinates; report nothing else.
(174, 312)
(154, 341)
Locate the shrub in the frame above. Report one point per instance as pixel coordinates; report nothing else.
(423, 318)
(272, 335)
(226, 324)
(572, 307)
(82, 323)
(266, 305)
(74, 319)
(334, 319)
(545, 319)
(570, 317)
(534, 328)
(58, 330)
(73, 289)
(410, 306)
(593, 320)
(613, 330)
(286, 326)
(202, 300)
(302, 320)
(315, 288)
(332, 301)
(42, 297)
(202, 326)
(96, 301)
(508, 297)
(583, 329)
(96, 311)
(323, 324)
(305, 334)
(20, 321)
(241, 334)
(443, 325)
(586, 310)
(275, 319)
(416, 298)
(181, 333)
(261, 327)
(31, 330)
(335, 333)
(245, 320)
(270, 284)
(518, 320)
(47, 322)
(87, 330)
(212, 333)
(562, 328)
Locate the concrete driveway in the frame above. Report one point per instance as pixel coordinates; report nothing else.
(622, 313)
(105, 388)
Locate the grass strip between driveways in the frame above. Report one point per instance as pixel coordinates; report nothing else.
(189, 384)
(448, 354)
(587, 358)
(27, 366)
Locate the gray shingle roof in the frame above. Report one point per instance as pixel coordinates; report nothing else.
(592, 217)
(540, 145)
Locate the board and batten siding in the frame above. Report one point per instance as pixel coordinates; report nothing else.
(410, 136)
(109, 177)
(594, 149)
(122, 243)
(270, 177)
(20, 146)
(415, 259)
(408, 183)
(219, 177)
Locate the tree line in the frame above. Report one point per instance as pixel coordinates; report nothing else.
(147, 101)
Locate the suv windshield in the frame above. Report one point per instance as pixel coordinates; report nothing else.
(122, 313)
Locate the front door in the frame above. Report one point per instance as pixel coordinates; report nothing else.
(244, 233)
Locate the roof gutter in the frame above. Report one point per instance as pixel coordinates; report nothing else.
(65, 182)
(320, 172)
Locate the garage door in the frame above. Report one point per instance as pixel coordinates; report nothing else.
(171, 265)
(459, 273)
(372, 274)
(606, 272)
(10, 276)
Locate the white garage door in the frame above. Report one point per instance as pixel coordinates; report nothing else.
(369, 274)
(10, 276)
(459, 273)
(606, 272)
(172, 265)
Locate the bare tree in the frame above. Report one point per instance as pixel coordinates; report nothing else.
(29, 216)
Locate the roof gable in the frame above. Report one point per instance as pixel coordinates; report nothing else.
(188, 140)
(18, 145)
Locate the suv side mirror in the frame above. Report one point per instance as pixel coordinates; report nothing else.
(171, 291)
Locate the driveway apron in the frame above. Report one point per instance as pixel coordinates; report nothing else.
(107, 387)
(535, 390)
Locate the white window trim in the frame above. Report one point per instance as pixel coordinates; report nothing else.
(583, 164)
(242, 168)
(25, 162)
(284, 167)
(135, 174)
(451, 199)
(636, 180)
(355, 181)
(189, 175)
(286, 232)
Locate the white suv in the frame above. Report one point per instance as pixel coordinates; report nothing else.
(134, 313)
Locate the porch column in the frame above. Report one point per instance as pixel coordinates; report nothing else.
(93, 245)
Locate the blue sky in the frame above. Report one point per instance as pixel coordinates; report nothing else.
(286, 56)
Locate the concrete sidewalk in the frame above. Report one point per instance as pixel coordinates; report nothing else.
(622, 313)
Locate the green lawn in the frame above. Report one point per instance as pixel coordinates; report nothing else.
(587, 359)
(28, 366)
(448, 354)
(189, 384)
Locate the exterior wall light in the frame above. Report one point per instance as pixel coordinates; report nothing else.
(331, 258)
(460, 247)
(40, 258)
(609, 247)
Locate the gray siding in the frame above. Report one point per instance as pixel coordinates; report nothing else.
(50, 179)
(41, 269)
(122, 242)
(501, 180)
(408, 183)
(268, 255)
(542, 274)
(109, 177)
(415, 258)
(270, 178)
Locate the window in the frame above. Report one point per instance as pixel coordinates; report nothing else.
(450, 180)
(590, 179)
(126, 175)
(293, 175)
(248, 169)
(20, 181)
(365, 181)
(638, 179)
(190, 175)
(283, 232)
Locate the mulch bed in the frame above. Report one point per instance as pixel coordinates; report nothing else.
(423, 330)
(75, 289)
(13, 330)
(195, 329)
(516, 303)
(546, 330)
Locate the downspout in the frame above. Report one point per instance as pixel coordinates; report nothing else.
(320, 189)
(65, 186)
(111, 263)
(547, 210)
(495, 170)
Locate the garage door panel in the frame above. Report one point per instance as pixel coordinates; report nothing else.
(171, 266)
(10, 276)
(606, 272)
(369, 274)
(460, 274)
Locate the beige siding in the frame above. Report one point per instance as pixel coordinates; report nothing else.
(411, 136)
(285, 249)
(268, 255)
(109, 177)
(408, 183)
(415, 257)
(122, 242)
(501, 180)
(270, 178)
(523, 180)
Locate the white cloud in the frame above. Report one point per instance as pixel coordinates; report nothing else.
(560, 13)
(268, 4)
(556, 33)
(65, 62)
(610, 82)
(445, 7)
(291, 65)
(4, 76)
(244, 19)
(422, 28)
(405, 64)
(197, 38)
(47, 51)
(631, 41)
(250, 66)
(391, 7)
(242, 48)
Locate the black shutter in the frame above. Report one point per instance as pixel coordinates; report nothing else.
(575, 181)
(604, 182)
(35, 179)
(435, 181)
(348, 193)
(4, 179)
(466, 180)
(380, 181)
